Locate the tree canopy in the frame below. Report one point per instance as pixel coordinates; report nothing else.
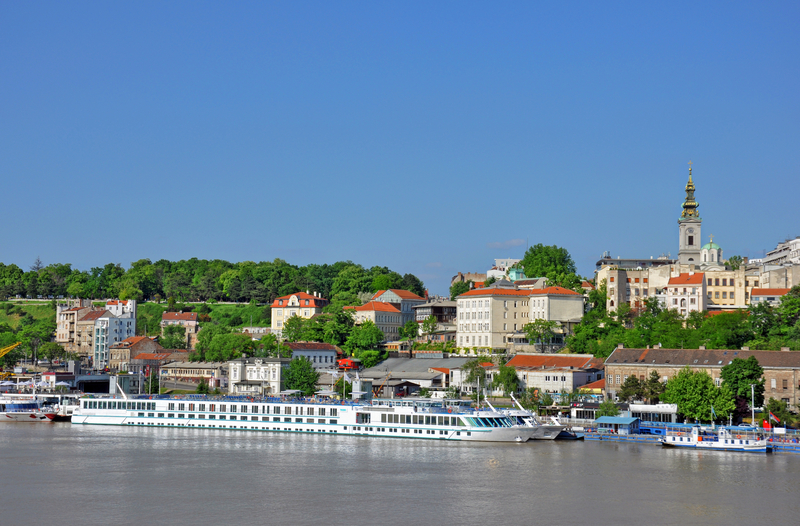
(553, 263)
(695, 394)
(302, 376)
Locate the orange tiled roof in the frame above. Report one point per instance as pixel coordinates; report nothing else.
(402, 294)
(152, 356)
(444, 370)
(117, 302)
(687, 279)
(554, 290)
(769, 292)
(587, 285)
(375, 306)
(317, 300)
(599, 384)
(552, 360)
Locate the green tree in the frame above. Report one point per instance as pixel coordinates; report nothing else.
(424, 392)
(430, 325)
(489, 281)
(202, 387)
(474, 372)
(294, 328)
(302, 376)
(607, 408)
(173, 337)
(343, 387)
(452, 392)
(734, 262)
(780, 409)
(506, 379)
(370, 358)
(738, 376)
(458, 288)
(230, 346)
(695, 394)
(51, 351)
(530, 399)
(410, 330)
(631, 389)
(653, 387)
(539, 330)
(151, 383)
(552, 262)
(366, 336)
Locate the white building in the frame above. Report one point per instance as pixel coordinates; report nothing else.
(321, 355)
(501, 268)
(687, 293)
(493, 317)
(108, 330)
(256, 376)
(402, 300)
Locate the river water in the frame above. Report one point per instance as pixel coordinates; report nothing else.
(60, 474)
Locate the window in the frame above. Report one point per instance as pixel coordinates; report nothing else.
(785, 384)
(691, 240)
(617, 378)
(716, 295)
(716, 282)
(629, 280)
(773, 383)
(709, 282)
(612, 279)
(724, 295)
(724, 282)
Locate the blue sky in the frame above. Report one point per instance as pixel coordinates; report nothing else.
(427, 137)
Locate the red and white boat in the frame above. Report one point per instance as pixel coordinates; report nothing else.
(24, 410)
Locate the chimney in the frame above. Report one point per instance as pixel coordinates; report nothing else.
(307, 292)
(784, 349)
(702, 348)
(745, 348)
(620, 346)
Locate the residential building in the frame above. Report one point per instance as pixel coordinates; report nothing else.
(552, 373)
(461, 277)
(145, 363)
(787, 251)
(403, 300)
(321, 355)
(122, 352)
(122, 308)
(770, 296)
(108, 330)
(67, 316)
(187, 320)
(781, 368)
(84, 334)
(687, 293)
(443, 309)
(502, 267)
(303, 304)
(493, 317)
(386, 316)
(257, 376)
(213, 373)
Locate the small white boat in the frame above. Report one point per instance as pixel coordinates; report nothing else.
(722, 440)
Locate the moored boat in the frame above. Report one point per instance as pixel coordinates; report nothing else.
(24, 410)
(400, 418)
(721, 440)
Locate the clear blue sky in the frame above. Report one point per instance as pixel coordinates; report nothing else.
(430, 137)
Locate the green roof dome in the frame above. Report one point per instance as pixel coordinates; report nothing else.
(711, 246)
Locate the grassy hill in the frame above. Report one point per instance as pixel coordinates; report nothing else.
(13, 313)
(149, 315)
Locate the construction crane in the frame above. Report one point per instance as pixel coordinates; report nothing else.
(377, 392)
(8, 349)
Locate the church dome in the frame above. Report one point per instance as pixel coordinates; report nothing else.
(710, 246)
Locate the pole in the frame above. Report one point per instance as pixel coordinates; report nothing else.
(753, 404)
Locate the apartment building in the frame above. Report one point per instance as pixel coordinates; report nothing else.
(303, 304)
(403, 300)
(386, 316)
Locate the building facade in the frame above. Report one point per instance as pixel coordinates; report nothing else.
(781, 368)
(770, 296)
(187, 320)
(122, 352)
(303, 304)
(386, 316)
(403, 300)
(321, 355)
(256, 376)
(686, 293)
(493, 317)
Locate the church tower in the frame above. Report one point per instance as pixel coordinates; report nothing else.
(689, 227)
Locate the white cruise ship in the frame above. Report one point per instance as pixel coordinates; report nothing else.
(401, 418)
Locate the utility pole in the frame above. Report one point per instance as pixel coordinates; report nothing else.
(753, 404)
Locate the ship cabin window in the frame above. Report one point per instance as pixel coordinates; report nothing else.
(181, 407)
(171, 406)
(321, 411)
(334, 411)
(233, 409)
(222, 408)
(202, 407)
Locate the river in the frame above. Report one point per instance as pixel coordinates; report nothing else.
(60, 474)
